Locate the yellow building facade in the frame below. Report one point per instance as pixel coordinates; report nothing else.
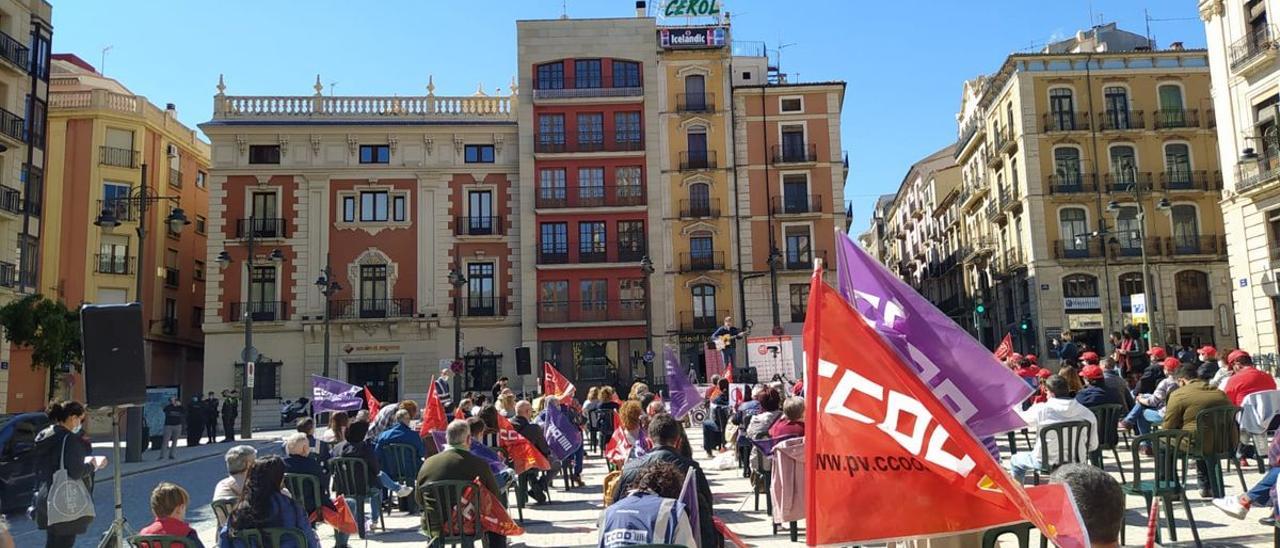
(699, 206)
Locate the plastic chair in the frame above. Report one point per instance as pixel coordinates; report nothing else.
(402, 466)
(1169, 476)
(1108, 419)
(269, 537)
(1013, 441)
(160, 541)
(306, 490)
(351, 479)
(222, 510)
(445, 496)
(1217, 435)
(1070, 436)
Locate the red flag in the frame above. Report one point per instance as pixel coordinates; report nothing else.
(432, 413)
(491, 516)
(728, 375)
(881, 432)
(618, 448)
(618, 401)
(1005, 348)
(524, 455)
(555, 384)
(373, 404)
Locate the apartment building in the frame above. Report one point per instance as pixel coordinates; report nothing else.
(700, 210)
(26, 33)
(924, 225)
(387, 226)
(875, 239)
(591, 183)
(103, 139)
(1084, 166)
(1244, 59)
(791, 172)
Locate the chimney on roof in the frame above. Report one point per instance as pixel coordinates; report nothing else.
(640, 11)
(1176, 46)
(171, 110)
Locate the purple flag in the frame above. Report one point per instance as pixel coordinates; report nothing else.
(689, 497)
(495, 462)
(334, 395)
(682, 394)
(563, 437)
(963, 374)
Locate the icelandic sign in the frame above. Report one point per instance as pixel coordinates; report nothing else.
(692, 38)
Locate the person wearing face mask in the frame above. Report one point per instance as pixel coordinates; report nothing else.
(53, 451)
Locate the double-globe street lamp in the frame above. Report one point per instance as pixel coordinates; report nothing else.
(458, 281)
(139, 198)
(1114, 207)
(249, 355)
(328, 287)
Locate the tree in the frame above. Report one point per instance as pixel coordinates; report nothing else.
(48, 328)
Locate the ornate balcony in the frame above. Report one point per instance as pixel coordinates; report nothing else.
(1253, 46)
(794, 154)
(1066, 121)
(1120, 120)
(260, 311)
(798, 204)
(487, 306)
(700, 209)
(1073, 183)
(695, 102)
(695, 160)
(478, 226)
(348, 309)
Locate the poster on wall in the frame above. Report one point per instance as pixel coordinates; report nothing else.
(153, 410)
(772, 356)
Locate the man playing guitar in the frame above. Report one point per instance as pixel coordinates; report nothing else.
(724, 338)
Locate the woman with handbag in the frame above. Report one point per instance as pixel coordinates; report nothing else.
(61, 469)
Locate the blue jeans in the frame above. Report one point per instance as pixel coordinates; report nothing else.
(1147, 418)
(375, 506)
(1261, 493)
(387, 483)
(1021, 463)
(577, 460)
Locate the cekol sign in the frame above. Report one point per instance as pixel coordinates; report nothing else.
(692, 8)
(692, 38)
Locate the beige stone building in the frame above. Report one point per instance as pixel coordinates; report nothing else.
(1083, 166)
(1244, 59)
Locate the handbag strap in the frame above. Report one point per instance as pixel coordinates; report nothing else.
(62, 461)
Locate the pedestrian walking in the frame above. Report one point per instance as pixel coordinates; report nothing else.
(54, 453)
(230, 410)
(174, 415)
(211, 417)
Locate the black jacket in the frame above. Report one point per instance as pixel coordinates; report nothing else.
(48, 455)
(174, 415)
(533, 433)
(363, 451)
(1151, 377)
(296, 464)
(710, 538)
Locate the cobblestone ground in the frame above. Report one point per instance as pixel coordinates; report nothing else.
(570, 518)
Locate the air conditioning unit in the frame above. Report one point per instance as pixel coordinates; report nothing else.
(172, 150)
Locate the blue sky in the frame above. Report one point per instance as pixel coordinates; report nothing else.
(904, 61)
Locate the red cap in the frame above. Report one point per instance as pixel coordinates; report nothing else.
(1236, 354)
(1171, 364)
(1157, 353)
(1208, 351)
(1091, 372)
(1015, 357)
(1089, 357)
(1044, 374)
(1031, 358)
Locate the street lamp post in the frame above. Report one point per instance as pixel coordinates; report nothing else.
(775, 262)
(646, 267)
(1163, 205)
(457, 280)
(108, 219)
(328, 287)
(249, 355)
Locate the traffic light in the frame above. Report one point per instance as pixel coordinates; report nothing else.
(1025, 325)
(980, 307)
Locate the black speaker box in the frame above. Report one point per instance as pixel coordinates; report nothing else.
(524, 364)
(746, 375)
(114, 364)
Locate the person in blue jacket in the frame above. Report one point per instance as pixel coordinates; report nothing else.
(263, 505)
(400, 433)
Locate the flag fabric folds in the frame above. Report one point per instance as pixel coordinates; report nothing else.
(524, 456)
(958, 369)
(562, 436)
(683, 395)
(374, 406)
(554, 383)
(876, 430)
(490, 515)
(1005, 348)
(689, 497)
(333, 395)
(432, 413)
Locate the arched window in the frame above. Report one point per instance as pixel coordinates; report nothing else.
(699, 200)
(1066, 170)
(1080, 285)
(1193, 290)
(1062, 111)
(1177, 166)
(1116, 99)
(704, 306)
(1124, 166)
(1186, 229)
(1072, 226)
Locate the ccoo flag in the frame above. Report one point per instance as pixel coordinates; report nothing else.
(977, 389)
(563, 437)
(555, 384)
(875, 430)
(333, 395)
(684, 396)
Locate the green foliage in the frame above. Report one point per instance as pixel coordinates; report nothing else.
(48, 328)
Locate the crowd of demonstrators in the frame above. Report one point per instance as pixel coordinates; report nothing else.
(539, 482)
(1095, 391)
(169, 506)
(298, 460)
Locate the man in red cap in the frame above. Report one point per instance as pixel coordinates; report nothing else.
(1095, 391)
(1150, 407)
(1247, 379)
(1152, 376)
(1208, 366)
